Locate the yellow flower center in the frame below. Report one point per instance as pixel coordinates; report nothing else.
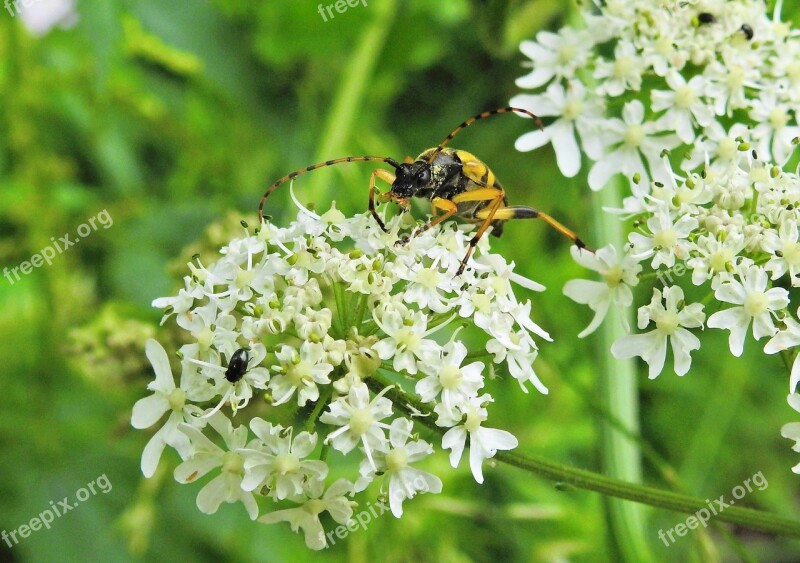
(755, 303)
(204, 338)
(500, 286)
(791, 253)
(244, 278)
(428, 277)
(333, 215)
(315, 506)
(778, 118)
(360, 421)
(299, 373)
(793, 71)
(720, 259)
(685, 97)
(612, 276)
(396, 459)
(667, 322)
(623, 66)
(474, 419)
(481, 302)
(634, 135)
(573, 109)
(450, 377)
(286, 463)
(232, 463)
(177, 398)
(664, 45)
(735, 77)
(666, 238)
(566, 53)
(407, 339)
(727, 148)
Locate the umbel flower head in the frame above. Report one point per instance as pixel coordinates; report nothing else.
(694, 105)
(329, 324)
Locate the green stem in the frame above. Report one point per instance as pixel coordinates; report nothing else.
(591, 481)
(618, 393)
(477, 355)
(617, 389)
(582, 479)
(440, 319)
(321, 403)
(361, 308)
(665, 470)
(340, 318)
(788, 360)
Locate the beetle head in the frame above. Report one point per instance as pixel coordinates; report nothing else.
(410, 178)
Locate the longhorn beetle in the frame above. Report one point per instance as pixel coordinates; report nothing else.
(455, 182)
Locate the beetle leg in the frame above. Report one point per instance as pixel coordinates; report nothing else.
(437, 203)
(493, 195)
(388, 177)
(450, 208)
(521, 212)
(489, 217)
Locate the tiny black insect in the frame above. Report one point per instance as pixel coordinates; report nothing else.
(237, 367)
(747, 30)
(705, 17)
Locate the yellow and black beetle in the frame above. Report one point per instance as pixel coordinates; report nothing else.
(455, 181)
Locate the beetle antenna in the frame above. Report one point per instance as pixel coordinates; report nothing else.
(483, 115)
(390, 161)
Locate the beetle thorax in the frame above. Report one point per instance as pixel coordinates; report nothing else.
(421, 179)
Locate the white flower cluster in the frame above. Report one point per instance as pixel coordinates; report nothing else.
(325, 320)
(696, 102)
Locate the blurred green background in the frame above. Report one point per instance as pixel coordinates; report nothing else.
(174, 117)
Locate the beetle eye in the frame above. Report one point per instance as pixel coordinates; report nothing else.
(424, 176)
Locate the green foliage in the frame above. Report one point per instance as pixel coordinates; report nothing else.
(172, 116)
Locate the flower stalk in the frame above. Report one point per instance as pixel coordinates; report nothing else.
(619, 394)
(588, 480)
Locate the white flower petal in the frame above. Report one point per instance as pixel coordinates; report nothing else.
(737, 321)
(683, 342)
(148, 410)
(532, 140)
(568, 154)
(455, 439)
(158, 358)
